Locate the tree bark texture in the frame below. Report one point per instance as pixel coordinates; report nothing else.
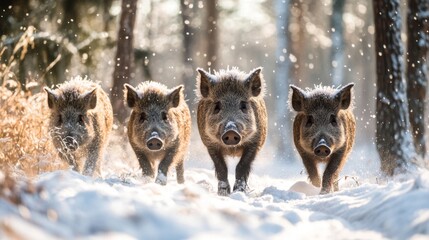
(188, 33)
(212, 33)
(297, 40)
(417, 45)
(337, 48)
(124, 57)
(393, 138)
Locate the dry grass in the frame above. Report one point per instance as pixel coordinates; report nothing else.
(25, 146)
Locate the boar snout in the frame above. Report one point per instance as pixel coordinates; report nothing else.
(70, 143)
(322, 149)
(154, 143)
(230, 135)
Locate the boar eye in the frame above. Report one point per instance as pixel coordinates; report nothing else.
(80, 119)
(243, 106)
(333, 120)
(142, 117)
(216, 108)
(164, 116)
(310, 121)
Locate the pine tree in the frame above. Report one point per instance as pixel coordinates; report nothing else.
(337, 48)
(212, 33)
(393, 138)
(124, 57)
(418, 42)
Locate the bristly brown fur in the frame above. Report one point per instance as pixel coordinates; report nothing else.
(230, 83)
(324, 93)
(230, 89)
(323, 113)
(153, 100)
(70, 92)
(68, 104)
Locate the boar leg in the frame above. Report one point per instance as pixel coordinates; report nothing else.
(164, 165)
(180, 172)
(221, 169)
(145, 164)
(242, 170)
(94, 155)
(312, 171)
(70, 159)
(336, 188)
(332, 171)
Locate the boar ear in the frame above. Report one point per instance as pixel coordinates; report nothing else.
(52, 97)
(344, 96)
(90, 99)
(297, 99)
(254, 81)
(175, 96)
(131, 95)
(204, 81)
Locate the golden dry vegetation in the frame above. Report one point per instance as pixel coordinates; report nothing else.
(25, 143)
(25, 146)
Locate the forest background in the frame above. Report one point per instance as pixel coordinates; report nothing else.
(306, 43)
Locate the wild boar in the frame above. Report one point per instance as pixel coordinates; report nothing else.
(323, 131)
(80, 122)
(232, 121)
(159, 128)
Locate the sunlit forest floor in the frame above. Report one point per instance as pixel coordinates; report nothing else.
(41, 199)
(51, 203)
(123, 205)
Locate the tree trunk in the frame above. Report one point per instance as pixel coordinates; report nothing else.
(297, 38)
(418, 41)
(71, 20)
(283, 140)
(107, 4)
(393, 138)
(337, 48)
(212, 34)
(124, 57)
(188, 44)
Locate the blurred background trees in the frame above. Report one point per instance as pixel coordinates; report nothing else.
(124, 58)
(417, 68)
(281, 118)
(296, 42)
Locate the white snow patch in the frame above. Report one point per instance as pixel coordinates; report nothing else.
(306, 188)
(280, 204)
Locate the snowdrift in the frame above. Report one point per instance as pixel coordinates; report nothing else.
(69, 205)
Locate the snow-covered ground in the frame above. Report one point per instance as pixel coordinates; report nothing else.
(123, 205)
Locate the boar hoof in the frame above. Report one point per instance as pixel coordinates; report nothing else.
(241, 186)
(180, 180)
(87, 172)
(223, 188)
(161, 179)
(147, 179)
(325, 191)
